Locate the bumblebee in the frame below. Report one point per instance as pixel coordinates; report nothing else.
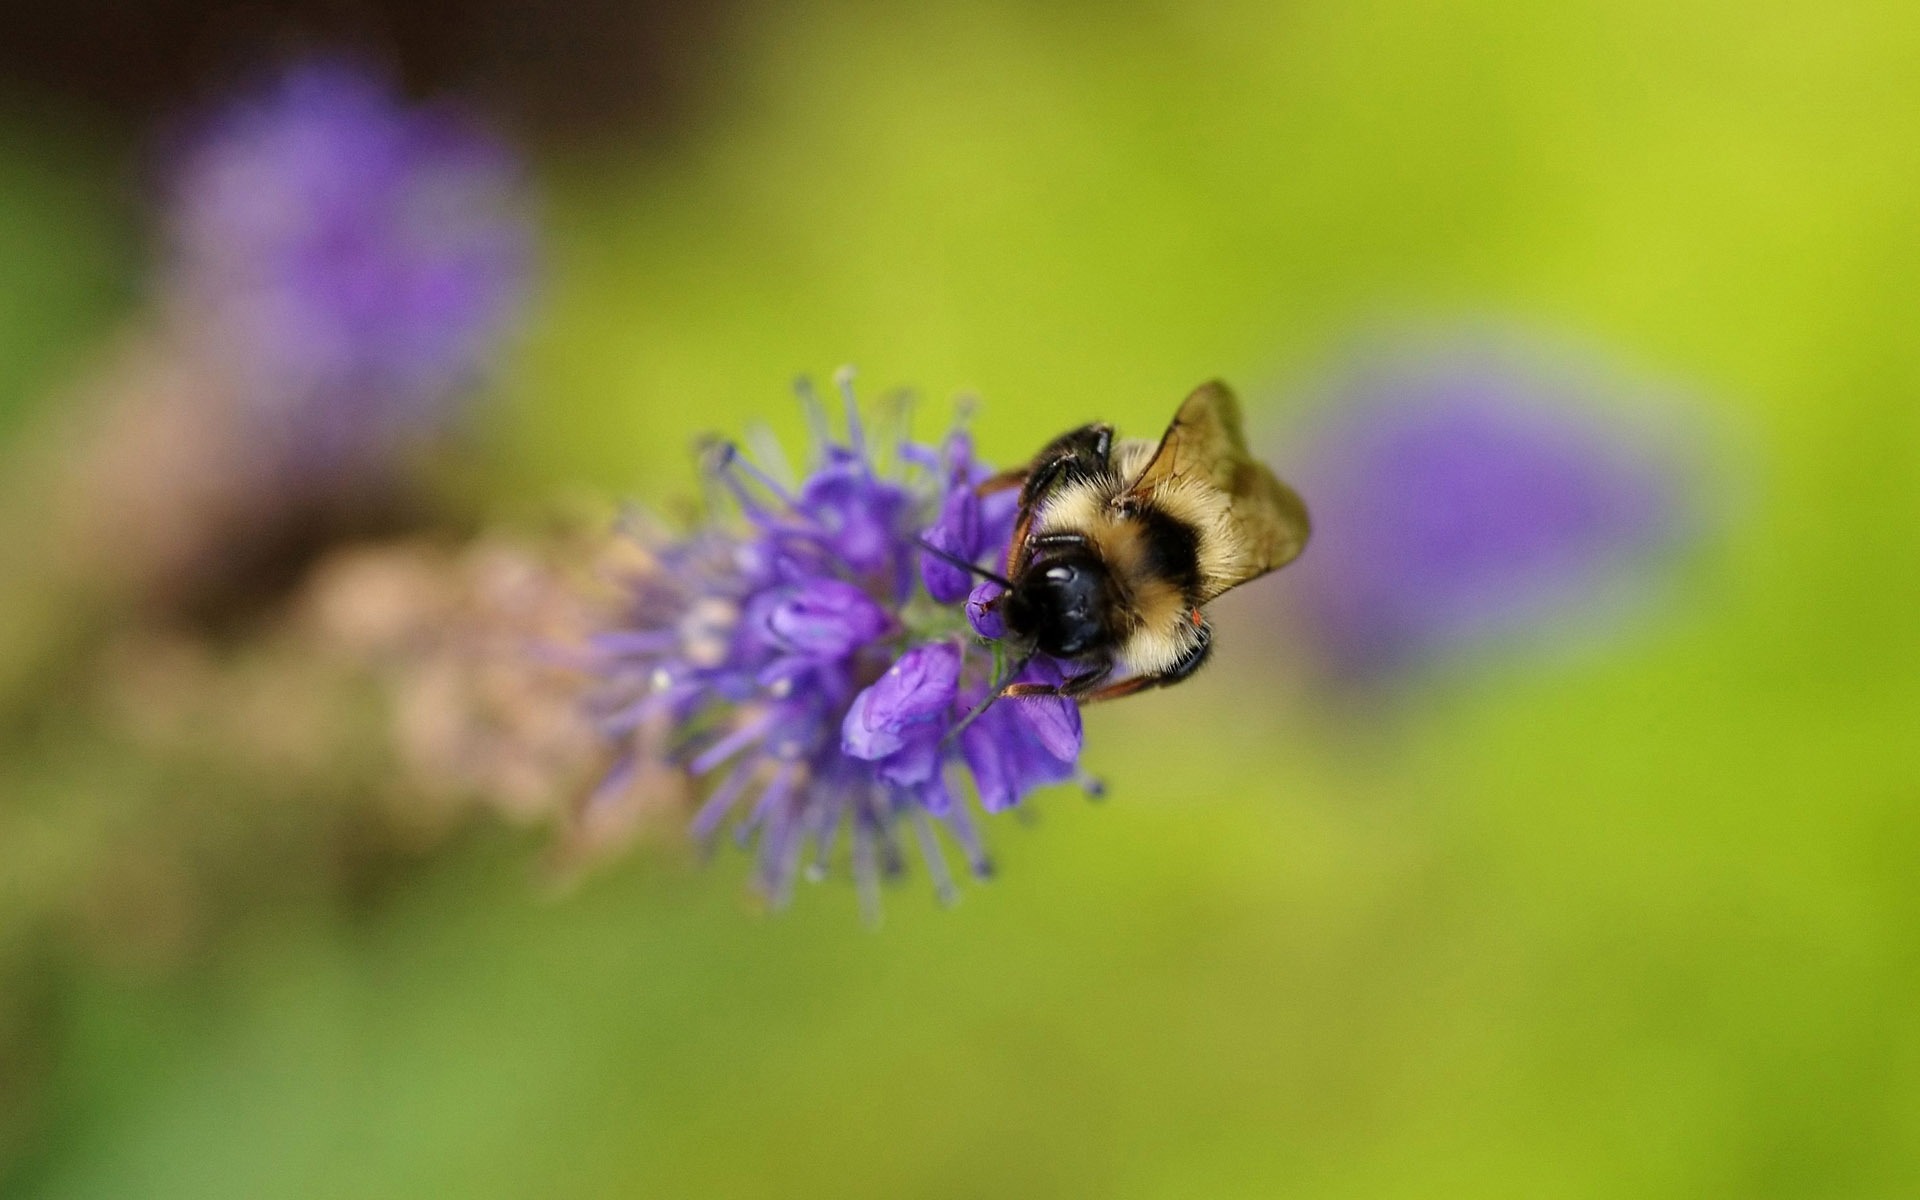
(1119, 545)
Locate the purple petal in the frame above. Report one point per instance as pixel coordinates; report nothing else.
(983, 614)
(958, 533)
(920, 684)
(917, 688)
(1006, 757)
(1054, 722)
(864, 736)
(998, 512)
(992, 778)
(860, 514)
(917, 761)
(826, 618)
(958, 451)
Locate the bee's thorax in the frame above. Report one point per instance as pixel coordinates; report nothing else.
(1152, 560)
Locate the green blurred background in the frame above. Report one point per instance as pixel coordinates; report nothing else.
(1641, 923)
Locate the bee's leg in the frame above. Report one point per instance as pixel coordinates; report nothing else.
(1073, 689)
(1015, 691)
(1188, 663)
(1005, 481)
(1126, 687)
(1081, 685)
(1043, 480)
(1076, 454)
(1059, 539)
(1088, 690)
(1194, 658)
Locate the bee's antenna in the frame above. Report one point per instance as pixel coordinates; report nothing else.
(954, 560)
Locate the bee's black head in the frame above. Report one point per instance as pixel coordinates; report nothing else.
(1061, 602)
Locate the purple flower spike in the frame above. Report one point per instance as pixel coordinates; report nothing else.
(353, 259)
(802, 661)
(1466, 498)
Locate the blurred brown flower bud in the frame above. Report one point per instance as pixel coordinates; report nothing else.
(479, 652)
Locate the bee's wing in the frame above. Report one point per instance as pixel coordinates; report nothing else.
(1205, 445)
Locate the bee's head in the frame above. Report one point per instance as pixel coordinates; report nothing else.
(1060, 602)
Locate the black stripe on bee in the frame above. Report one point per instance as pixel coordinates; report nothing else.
(1172, 549)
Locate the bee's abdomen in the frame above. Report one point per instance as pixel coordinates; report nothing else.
(1170, 550)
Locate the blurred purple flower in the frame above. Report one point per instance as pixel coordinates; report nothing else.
(353, 259)
(1468, 497)
(795, 662)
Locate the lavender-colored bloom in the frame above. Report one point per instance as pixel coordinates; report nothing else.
(1013, 749)
(351, 259)
(911, 699)
(983, 613)
(789, 656)
(957, 531)
(1467, 497)
(968, 526)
